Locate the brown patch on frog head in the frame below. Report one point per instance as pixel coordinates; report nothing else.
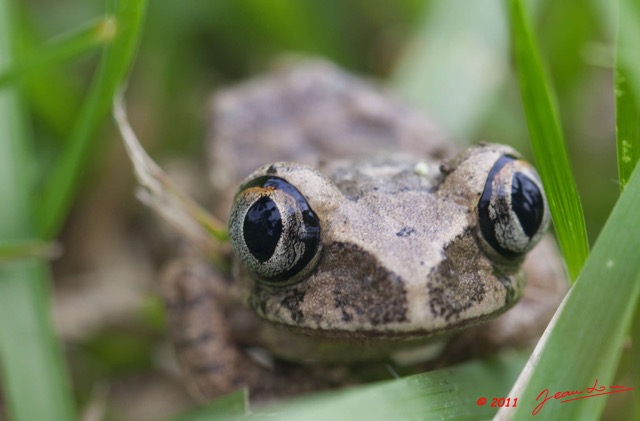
(349, 288)
(454, 286)
(458, 284)
(363, 290)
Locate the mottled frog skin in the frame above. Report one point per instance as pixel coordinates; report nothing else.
(360, 237)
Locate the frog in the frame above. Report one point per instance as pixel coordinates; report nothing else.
(359, 235)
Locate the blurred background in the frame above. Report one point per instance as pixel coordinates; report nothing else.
(449, 57)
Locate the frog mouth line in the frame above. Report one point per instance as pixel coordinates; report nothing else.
(396, 332)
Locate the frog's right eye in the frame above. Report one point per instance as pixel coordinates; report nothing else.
(513, 213)
(274, 231)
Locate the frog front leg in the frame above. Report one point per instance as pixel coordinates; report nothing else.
(212, 363)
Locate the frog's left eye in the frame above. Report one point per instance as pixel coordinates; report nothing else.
(512, 210)
(274, 231)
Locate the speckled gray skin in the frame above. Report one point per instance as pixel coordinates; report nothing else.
(402, 261)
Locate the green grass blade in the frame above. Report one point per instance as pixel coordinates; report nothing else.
(635, 358)
(627, 125)
(35, 382)
(35, 385)
(14, 154)
(60, 50)
(224, 408)
(18, 250)
(627, 95)
(548, 143)
(607, 292)
(114, 65)
(451, 393)
(627, 83)
(54, 95)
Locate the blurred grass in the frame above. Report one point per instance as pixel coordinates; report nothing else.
(627, 94)
(61, 50)
(23, 249)
(35, 384)
(225, 408)
(34, 376)
(455, 63)
(627, 89)
(450, 393)
(61, 184)
(548, 143)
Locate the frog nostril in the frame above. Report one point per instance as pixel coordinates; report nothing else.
(406, 232)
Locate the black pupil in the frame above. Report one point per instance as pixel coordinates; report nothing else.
(262, 228)
(526, 200)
